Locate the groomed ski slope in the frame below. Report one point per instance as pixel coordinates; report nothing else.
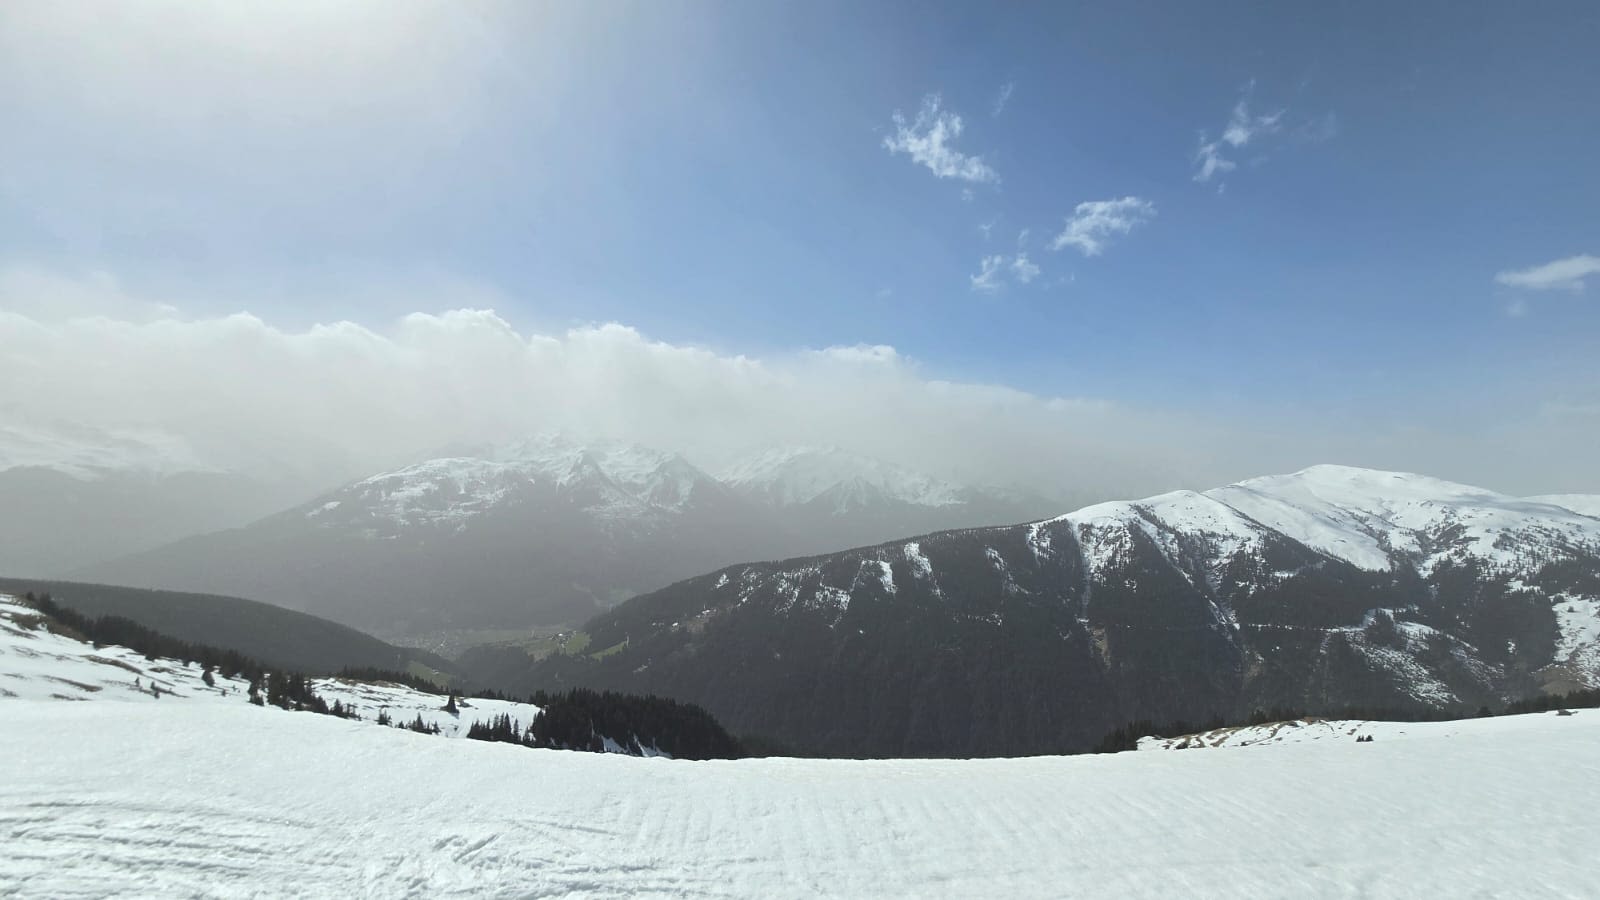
(229, 800)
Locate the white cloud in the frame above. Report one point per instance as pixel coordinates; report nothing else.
(1211, 161)
(1093, 223)
(1004, 97)
(928, 138)
(1242, 129)
(341, 399)
(993, 270)
(985, 228)
(991, 274)
(1023, 270)
(1558, 275)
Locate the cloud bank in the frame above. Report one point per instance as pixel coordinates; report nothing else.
(332, 401)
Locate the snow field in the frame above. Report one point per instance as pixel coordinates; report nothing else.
(1301, 731)
(229, 800)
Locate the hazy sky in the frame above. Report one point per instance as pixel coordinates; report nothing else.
(1137, 244)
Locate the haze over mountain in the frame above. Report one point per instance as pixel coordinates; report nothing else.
(1333, 586)
(76, 495)
(548, 531)
(1588, 504)
(831, 498)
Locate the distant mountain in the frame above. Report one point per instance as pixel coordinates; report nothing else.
(58, 520)
(1330, 587)
(831, 498)
(74, 496)
(271, 634)
(548, 531)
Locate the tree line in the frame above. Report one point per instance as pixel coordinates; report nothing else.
(583, 719)
(286, 690)
(578, 719)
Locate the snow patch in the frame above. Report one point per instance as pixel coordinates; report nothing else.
(1579, 644)
(885, 573)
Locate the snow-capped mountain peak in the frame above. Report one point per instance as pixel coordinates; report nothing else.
(1104, 529)
(1378, 520)
(1375, 520)
(611, 480)
(435, 491)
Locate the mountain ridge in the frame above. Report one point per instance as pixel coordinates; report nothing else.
(1043, 636)
(539, 533)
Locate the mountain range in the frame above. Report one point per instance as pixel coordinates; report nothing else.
(75, 496)
(1330, 588)
(548, 531)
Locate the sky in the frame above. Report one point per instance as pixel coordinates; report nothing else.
(1116, 247)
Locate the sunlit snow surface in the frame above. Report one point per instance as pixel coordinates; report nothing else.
(1311, 730)
(1586, 504)
(228, 800)
(1105, 530)
(1371, 518)
(200, 794)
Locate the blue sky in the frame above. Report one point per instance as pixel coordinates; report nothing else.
(721, 175)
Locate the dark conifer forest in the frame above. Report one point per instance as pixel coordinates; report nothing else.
(582, 720)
